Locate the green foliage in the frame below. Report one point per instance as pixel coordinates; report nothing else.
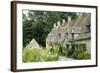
(30, 55)
(70, 52)
(40, 55)
(80, 55)
(62, 50)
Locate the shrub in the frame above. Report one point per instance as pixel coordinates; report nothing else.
(40, 55)
(32, 55)
(81, 55)
(54, 53)
(62, 50)
(70, 52)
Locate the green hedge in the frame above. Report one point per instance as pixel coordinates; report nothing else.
(40, 55)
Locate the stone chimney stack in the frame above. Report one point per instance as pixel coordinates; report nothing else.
(63, 21)
(58, 23)
(54, 26)
(79, 14)
(69, 20)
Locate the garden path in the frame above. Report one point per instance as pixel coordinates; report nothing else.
(63, 58)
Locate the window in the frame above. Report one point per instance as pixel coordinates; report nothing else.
(88, 27)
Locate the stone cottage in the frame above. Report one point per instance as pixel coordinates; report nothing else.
(75, 32)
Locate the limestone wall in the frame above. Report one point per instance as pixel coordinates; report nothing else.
(87, 42)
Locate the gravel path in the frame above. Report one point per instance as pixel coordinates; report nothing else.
(63, 58)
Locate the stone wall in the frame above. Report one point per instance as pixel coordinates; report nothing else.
(87, 42)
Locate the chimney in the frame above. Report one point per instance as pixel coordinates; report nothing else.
(63, 21)
(54, 26)
(69, 20)
(58, 23)
(79, 14)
